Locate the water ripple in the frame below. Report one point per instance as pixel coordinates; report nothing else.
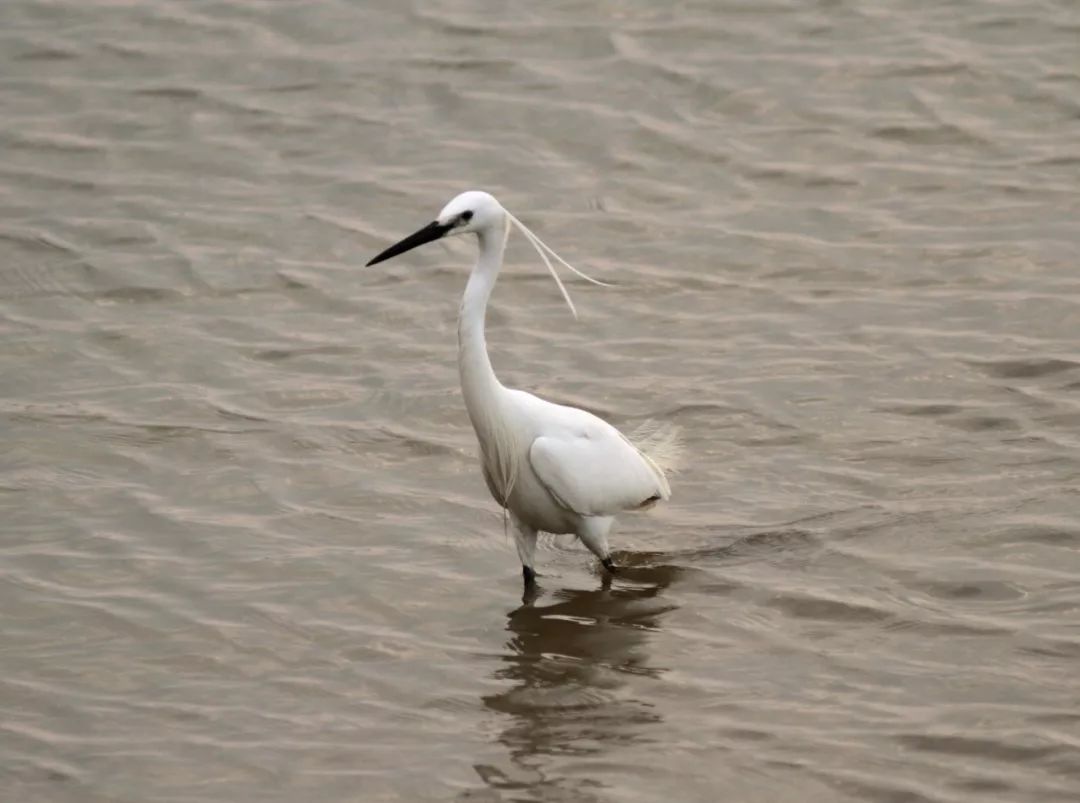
(249, 551)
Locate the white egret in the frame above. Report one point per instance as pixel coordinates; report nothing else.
(554, 468)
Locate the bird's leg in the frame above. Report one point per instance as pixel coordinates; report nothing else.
(525, 538)
(593, 534)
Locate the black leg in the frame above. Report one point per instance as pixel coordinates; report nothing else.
(609, 564)
(529, 575)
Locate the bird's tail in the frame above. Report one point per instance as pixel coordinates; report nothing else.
(661, 442)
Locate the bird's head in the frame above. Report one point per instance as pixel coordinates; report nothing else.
(479, 213)
(472, 211)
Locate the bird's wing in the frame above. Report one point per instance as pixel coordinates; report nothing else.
(595, 471)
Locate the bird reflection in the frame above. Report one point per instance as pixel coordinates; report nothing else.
(571, 656)
(578, 658)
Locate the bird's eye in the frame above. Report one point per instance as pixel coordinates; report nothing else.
(466, 216)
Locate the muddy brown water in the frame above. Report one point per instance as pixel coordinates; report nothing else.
(246, 550)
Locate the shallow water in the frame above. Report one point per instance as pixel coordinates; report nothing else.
(247, 552)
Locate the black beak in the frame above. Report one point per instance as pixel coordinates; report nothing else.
(432, 231)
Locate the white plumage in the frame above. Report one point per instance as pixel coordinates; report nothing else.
(554, 468)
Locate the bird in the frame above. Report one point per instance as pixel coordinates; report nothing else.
(552, 468)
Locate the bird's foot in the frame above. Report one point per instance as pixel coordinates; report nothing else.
(609, 564)
(532, 589)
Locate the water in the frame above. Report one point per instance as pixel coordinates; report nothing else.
(247, 553)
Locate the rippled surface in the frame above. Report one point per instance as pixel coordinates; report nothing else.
(247, 552)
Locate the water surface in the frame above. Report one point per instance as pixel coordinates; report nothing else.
(247, 553)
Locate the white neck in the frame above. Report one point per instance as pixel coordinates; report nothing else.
(479, 385)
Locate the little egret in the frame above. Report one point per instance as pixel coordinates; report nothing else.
(553, 468)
